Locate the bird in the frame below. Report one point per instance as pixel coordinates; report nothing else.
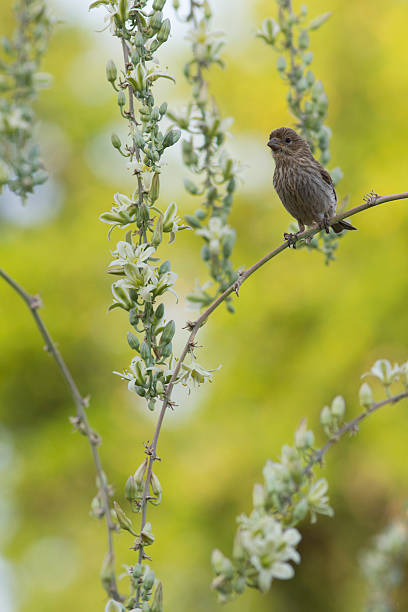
(305, 188)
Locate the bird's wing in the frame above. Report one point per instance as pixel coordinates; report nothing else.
(327, 179)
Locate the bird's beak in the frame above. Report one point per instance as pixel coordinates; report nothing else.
(274, 144)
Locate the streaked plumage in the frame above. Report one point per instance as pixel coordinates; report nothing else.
(305, 188)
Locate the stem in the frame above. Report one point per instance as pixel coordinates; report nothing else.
(372, 200)
(352, 426)
(82, 424)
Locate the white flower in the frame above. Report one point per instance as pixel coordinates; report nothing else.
(129, 253)
(269, 547)
(384, 371)
(317, 499)
(195, 373)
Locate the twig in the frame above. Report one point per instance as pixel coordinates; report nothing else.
(371, 200)
(82, 423)
(351, 427)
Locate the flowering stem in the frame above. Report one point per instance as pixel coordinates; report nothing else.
(195, 326)
(82, 423)
(351, 427)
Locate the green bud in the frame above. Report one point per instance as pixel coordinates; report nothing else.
(111, 71)
(164, 31)
(158, 5)
(145, 352)
(159, 387)
(156, 486)
(366, 396)
(191, 187)
(163, 108)
(148, 580)
(137, 571)
(325, 416)
(171, 138)
(121, 99)
(168, 333)
(281, 63)
(158, 232)
(169, 216)
(123, 520)
(157, 605)
(131, 489)
(156, 21)
(155, 114)
(155, 188)
(338, 407)
(318, 21)
(138, 138)
(132, 341)
(108, 572)
(147, 537)
(303, 40)
(192, 221)
(140, 473)
(158, 315)
(300, 510)
(166, 350)
(116, 141)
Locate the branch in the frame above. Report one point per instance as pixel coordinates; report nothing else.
(350, 427)
(80, 422)
(371, 201)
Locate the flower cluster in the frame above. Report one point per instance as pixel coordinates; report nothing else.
(203, 154)
(288, 35)
(387, 374)
(384, 565)
(266, 540)
(21, 167)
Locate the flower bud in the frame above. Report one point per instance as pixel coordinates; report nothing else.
(140, 473)
(147, 538)
(133, 341)
(325, 416)
(148, 580)
(156, 21)
(338, 407)
(108, 572)
(157, 605)
(158, 5)
(168, 333)
(131, 489)
(123, 520)
(116, 141)
(121, 98)
(164, 31)
(155, 188)
(366, 396)
(138, 40)
(158, 232)
(111, 71)
(156, 486)
(171, 138)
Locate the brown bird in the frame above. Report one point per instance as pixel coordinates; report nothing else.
(305, 188)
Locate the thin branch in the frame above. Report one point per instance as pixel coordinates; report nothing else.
(81, 422)
(371, 201)
(350, 427)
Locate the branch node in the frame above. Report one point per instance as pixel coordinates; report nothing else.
(190, 325)
(35, 302)
(370, 198)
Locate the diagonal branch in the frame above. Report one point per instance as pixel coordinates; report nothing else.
(370, 201)
(351, 427)
(80, 422)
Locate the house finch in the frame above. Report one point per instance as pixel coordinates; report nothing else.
(303, 185)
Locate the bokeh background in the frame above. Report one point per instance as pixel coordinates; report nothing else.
(302, 333)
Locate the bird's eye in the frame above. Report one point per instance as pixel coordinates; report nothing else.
(288, 140)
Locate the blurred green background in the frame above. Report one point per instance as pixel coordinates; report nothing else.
(302, 333)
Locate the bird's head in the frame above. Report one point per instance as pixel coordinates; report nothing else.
(285, 142)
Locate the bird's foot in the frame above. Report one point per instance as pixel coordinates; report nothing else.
(324, 225)
(371, 198)
(237, 285)
(291, 238)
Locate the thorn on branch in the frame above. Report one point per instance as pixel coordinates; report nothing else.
(371, 198)
(190, 325)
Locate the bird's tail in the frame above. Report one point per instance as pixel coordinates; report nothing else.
(342, 225)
